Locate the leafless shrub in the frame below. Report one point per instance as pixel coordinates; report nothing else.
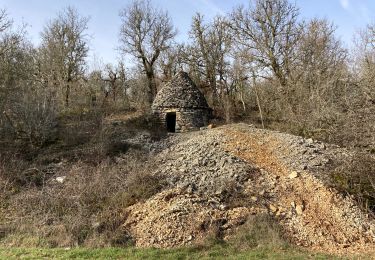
(357, 177)
(89, 203)
(32, 116)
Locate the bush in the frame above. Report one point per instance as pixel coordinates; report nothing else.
(31, 116)
(15, 171)
(357, 178)
(88, 206)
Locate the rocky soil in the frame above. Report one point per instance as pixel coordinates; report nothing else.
(218, 177)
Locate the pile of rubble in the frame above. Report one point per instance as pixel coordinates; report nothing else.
(280, 174)
(201, 165)
(177, 217)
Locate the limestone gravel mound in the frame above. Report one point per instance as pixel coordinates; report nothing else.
(175, 217)
(281, 174)
(201, 165)
(313, 214)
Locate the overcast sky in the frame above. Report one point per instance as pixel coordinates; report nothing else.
(348, 16)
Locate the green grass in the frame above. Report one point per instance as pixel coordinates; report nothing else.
(215, 252)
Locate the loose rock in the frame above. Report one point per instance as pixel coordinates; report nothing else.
(293, 175)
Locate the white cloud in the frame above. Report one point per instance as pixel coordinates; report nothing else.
(357, 10)
(344, 4)
(214, 8)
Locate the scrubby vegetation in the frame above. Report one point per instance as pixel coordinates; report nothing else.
(356, 177)
(87, 208)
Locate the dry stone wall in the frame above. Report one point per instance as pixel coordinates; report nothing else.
(186, 119)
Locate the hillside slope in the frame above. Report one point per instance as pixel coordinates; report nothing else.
(218, 177)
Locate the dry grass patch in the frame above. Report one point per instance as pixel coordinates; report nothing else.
(260, 231)
(87, 207)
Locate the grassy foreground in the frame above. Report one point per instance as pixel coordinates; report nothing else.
(217, 252)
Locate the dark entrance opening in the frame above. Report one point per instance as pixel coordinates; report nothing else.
(171, 122)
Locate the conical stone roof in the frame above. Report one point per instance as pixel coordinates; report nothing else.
(180, 92)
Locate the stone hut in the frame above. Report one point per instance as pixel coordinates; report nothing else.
(180, 105)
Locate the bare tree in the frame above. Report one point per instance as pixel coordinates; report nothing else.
(361, 123)
(15, 58)
(26, 111)
(320, 61)
(365, 62)
(145, 33)
(200, 53)
(171, 61)
(64, 49)
(5, 25)
(5, 22)
(209, 52)
(115, 76)
(269, 30)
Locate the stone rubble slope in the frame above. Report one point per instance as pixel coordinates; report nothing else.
(280, 174)
(313, 214)
(201, 165)
(175, 217)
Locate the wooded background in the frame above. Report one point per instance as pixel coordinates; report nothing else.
(262, 64)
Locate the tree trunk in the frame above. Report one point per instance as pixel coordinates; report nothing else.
(210, 75)
(242, 101)
(151, 85)
(258, 100)
(114, 90)
(67, 94)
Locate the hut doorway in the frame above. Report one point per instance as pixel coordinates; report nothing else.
(171, 122)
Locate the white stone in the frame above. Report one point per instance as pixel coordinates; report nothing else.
(293, 175)
(299, 209)
(253, 198)
(60, 179)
